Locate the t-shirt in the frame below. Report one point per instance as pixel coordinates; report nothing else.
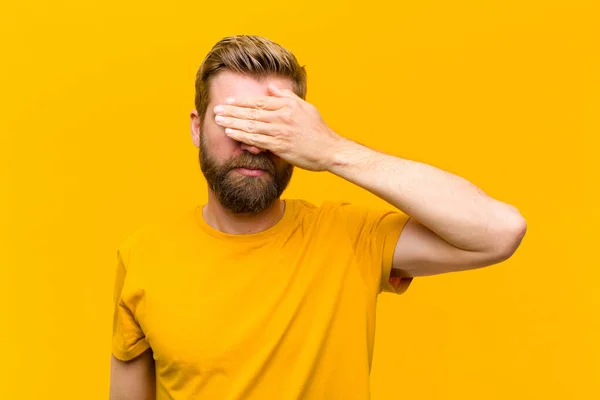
(286, 313)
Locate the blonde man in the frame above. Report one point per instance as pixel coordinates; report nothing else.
(251, 296)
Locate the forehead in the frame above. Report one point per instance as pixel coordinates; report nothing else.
(230, 84)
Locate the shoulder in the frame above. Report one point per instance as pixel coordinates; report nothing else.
(327, 205)
(336, 212)
(356, 216)
(155, 233)
(327, 208)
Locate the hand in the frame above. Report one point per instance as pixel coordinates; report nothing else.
(282, 123)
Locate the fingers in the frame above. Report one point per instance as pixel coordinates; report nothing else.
(251, 139)
(261, 114)
(251, 126)
(262, 102)
(280, 115)
(252, 114)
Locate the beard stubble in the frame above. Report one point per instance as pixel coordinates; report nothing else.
(239, 193)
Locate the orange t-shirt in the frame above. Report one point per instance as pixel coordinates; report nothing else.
(286, 313)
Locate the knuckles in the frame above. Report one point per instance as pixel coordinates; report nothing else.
(260, 103)
(251, 126)
(278, 145)
(253, 114)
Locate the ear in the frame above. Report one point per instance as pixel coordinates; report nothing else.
(195, 127)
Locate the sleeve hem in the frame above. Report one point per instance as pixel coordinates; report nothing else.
(389, 283)
(130, 354)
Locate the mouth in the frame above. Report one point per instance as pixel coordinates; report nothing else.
(251, 171)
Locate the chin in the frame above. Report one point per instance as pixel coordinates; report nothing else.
(249, 210)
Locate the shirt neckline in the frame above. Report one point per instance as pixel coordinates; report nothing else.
(271, 231)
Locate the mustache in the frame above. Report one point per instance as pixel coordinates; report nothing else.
(251, 161)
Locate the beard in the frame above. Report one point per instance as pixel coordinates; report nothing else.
(244, 194)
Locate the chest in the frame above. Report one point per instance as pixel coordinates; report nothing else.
(221, 308)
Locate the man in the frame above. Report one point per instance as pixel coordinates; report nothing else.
(255, 297)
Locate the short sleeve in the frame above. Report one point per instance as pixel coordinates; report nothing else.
(128, 338)
(374, 234)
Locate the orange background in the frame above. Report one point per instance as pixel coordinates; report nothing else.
(95, 142)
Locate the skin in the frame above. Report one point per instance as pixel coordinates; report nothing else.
(223, 151)
(453, 225)
(134, 379)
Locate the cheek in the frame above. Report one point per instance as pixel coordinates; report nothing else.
(216, 139)
(279, 162)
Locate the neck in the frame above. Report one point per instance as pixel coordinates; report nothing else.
(221, 219)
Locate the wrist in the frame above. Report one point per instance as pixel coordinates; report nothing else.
(345, 155)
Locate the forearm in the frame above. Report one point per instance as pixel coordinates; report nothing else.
(452, 207)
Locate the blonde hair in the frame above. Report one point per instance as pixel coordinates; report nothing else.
(249, 55)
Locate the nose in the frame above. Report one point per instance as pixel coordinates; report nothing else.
(251, 149)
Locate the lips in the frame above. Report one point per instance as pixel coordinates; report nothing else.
(250, 172)
(249, 168)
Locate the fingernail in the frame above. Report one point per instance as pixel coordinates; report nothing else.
(219, 109)
(219, 118)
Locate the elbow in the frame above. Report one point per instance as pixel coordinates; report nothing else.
(510, 235)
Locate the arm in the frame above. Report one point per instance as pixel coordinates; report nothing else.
(454, 225)
(134, 379)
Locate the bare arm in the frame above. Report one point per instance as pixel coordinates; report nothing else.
(134, 379)
(454, 225)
